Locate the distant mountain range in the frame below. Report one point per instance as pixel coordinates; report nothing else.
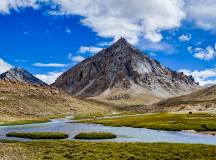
(121, 71)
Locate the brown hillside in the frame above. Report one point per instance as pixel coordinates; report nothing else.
(18, 99)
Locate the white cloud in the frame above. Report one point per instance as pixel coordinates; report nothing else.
(90, 49)
(184, 38)
(202, 12)
(155, 47)
(126, 18)
(207, 53)
(202, 76)
(7, 5)
(76, 58)
(68, 30)
(104, 44)
(190, 49)
(152, 54)
(50, 77)
(20, 60)
(4, 66)
(49, 65)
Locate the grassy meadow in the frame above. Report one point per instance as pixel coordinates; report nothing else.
(20, 120)
(101, 115)
(65, 150)
(24, 121)
(163, 121)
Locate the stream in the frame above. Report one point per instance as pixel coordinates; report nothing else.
(124, 134)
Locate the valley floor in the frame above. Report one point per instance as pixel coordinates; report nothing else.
(162, 121)
(64, 150)
(80, 150)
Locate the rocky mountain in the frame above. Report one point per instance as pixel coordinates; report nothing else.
(201, 100)
(123, 70)
(21, 75)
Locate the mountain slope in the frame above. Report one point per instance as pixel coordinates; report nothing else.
(19, 99)
(123, 70)
(22, 76)
(201, 100)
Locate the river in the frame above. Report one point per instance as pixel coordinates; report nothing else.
(124, 134)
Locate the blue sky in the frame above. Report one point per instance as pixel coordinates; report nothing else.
(47, 37)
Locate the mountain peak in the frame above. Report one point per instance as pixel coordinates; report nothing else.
(122, 42)
(119, 49)
(19, 74)
(122, 66)
(17, 69)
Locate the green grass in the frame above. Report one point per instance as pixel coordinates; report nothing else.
(31, 120)
(163, 121)
(95, 135)
(75, 150)
(100, 115)
(38, 135)
(27, 121)
(88, 116)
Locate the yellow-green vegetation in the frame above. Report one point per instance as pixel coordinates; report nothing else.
(95, 135)
(38, 135)
(27, 120)
(163, 121)
(65, 150)
(88, 116)
(100, 115)
(15, 151)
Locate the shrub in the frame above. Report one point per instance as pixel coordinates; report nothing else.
(95, 135)
(38, 135)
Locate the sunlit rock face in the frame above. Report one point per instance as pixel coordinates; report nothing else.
(125, 67)
(22, 76)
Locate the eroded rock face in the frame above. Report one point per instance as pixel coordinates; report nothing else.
(125, 67)
(21, 75)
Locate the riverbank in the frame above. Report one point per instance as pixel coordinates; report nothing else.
(162, 121)
(123, 134)
(60, 150)
(20, 120)
(104, 115)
